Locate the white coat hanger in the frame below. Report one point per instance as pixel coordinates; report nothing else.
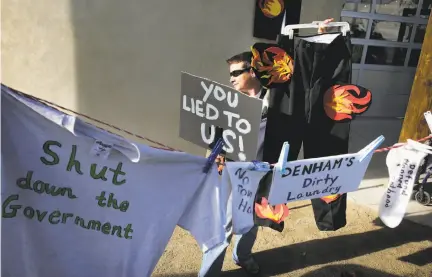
(283, 22)
(289, 29)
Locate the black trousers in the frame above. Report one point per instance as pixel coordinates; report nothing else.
(296, 113)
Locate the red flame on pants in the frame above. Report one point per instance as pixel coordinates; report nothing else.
(340, 103)
(330, 198)
(276, 214)
(274, 65)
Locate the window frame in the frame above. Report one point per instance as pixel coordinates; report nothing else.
(415, 20)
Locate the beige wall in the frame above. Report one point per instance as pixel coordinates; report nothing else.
(320, 9)
(120, 61)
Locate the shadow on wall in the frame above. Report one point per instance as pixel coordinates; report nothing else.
(129, 57)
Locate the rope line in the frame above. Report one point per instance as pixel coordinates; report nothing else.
(384, 149)
(163, 146)
(97, 120)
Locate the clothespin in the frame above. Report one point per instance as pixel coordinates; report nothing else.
(217, 149)
(283, 158)
(260, 166)
(365, 152)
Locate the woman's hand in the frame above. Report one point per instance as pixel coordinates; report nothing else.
(322, 28)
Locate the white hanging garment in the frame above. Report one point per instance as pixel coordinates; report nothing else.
(403, 164)
(243, 184)
(79, 201)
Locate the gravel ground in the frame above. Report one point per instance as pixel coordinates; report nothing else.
(364, 248)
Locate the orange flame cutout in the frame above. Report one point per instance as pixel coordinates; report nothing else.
(271, 8)
(339, 103)
(264, 210)
(330, 198)
(277, 71)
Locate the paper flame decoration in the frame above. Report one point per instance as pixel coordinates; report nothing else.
(340, 102)
(220, 161)
(274, 66)
(276, 214)
(330, 198)
(271, 8)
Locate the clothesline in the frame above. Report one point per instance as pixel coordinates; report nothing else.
(163, 146)
(96, 120)
(384, 149)
(214, 198)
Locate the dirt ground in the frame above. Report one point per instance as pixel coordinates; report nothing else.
(364, 248)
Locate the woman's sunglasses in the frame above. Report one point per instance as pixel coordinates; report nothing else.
(239, 72)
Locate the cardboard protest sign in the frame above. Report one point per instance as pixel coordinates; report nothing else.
(207, 107)
(318, 177)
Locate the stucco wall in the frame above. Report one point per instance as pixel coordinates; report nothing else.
(320, 10)
(120, 61)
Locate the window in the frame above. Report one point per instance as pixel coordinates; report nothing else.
(358, 26)
(426, 9)
(391, 31)
(386, 55)
(363, 6)
(420, 33)
(414, 58)
(357, 52)
(396, 7)
(386, 34)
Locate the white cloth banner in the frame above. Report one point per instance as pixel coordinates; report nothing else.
(319, 177)
(79, 201)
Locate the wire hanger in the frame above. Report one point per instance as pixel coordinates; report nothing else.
(289, 29)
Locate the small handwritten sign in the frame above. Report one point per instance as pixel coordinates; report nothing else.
(244, 185)
(403, 166)
(398, 186)
(206, 105)
(318, 177)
